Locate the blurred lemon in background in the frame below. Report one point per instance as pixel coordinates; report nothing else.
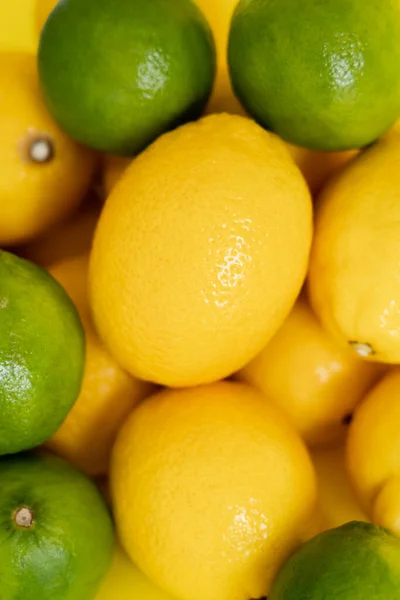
(17, 31)
(108, 393)
(314, 380)
(44, 174)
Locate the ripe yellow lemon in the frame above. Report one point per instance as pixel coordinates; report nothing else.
(16, 26)
(44, 175)
(200, 251)
(373, 457)
(315, 381)
(69, 239)
(354, 280)
(124, 581)
(211, 488)
(108, 393)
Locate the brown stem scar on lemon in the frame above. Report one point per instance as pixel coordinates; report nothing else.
(41, 150)
(361, 349)
(23, 517)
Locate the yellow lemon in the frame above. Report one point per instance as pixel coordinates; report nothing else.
(108, 393)
(44, 175)
(314, 380)
(354, 280)
(373, 456)
(211, 489)
(69, 239)
(124, 581)
(200, 252)
(113, 168)
(16, 26)
(338, 503)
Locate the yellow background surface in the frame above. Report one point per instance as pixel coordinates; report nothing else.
(16, 25)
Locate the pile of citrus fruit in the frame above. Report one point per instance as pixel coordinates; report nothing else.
(200, 300)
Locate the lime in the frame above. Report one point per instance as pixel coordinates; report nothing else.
(352, 562)
(56, 534)
(324, 75)
(116, 74)
(41, 354)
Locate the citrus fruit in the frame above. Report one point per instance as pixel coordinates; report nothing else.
(113, 169)
(315, 381)
(42, 10)
(211, 489)
(373, 452)
(193, 270)
(44, 174)
(338, 503)
(354, 279)
(352, 562)
(319, 167)
(41, 354)
(124, 581)
(108, 393)
(70, 238)
(56, 535)
(332, 83)
(155, 71)
(16, 29)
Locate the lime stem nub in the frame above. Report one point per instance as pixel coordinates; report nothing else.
(24, 517)
(41, 150)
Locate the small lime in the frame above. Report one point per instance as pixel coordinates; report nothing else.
(357, 561)
(116, 73)
(42, 351)
(56, 534)
(322, 74)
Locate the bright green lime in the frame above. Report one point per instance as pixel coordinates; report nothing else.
(42, 355)
(56, 534)
(118, 73)
(322, 74)
(358, 561)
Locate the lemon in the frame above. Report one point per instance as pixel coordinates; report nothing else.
(41, 354)
(373, 452)
(194, 269)
(124, 581)
(211, 490)
(314, 380)
(338, 503)
(108, 393)
(56, 535)
(323, 75)
(44, 174)
(69, 239)
(352, 562)
(354, 280)
(16, 29)
(155, 70)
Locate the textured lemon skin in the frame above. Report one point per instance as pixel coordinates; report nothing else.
(211, 488)
(354, 278)
(200, 252)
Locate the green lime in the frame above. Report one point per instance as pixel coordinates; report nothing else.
(42, 354)
(358, 561)
(117, 73)
(321, 74)
(56, 534)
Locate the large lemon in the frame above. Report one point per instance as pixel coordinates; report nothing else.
(212, 491)
(200, 251)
